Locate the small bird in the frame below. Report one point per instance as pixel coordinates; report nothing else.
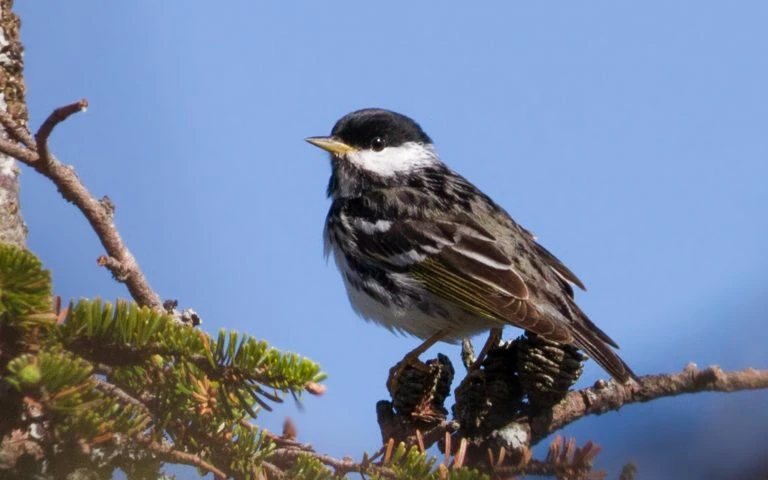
(423, 251)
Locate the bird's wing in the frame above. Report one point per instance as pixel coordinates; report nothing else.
(555, 264)
(460, 262)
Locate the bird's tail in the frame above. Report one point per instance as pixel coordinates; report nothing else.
(600, 348)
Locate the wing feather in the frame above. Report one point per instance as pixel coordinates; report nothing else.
(464, 266)
(555, 264)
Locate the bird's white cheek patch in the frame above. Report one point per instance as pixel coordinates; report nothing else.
(394, 160)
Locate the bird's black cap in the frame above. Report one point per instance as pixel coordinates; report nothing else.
(363, 128)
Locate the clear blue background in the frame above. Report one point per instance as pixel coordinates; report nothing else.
(631, 138)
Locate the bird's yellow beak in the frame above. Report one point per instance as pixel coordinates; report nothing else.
(330, 144)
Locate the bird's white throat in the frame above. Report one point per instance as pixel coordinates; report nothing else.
(394, 160)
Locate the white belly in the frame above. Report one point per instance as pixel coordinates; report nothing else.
(414, 318)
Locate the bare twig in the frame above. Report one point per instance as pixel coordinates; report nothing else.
(18, 152)
(286, 456)
(55, 118)
(168, 453)
(608, 396)
(119, 259)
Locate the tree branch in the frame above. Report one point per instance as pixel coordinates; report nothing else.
(53, 120)
(608, 396)
(16, 131)
(119, 260)
(284, 457)
(169, 454)
(119, 393)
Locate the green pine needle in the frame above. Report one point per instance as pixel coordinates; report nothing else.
(25, 287)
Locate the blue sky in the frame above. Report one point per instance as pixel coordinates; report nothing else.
(629, 137)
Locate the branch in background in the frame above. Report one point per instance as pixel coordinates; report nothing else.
(117, 392)
(34, 153)
(169, 454)
(608, 396)
(284, 458)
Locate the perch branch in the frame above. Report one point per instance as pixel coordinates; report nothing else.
(119, 260)
(608, 396)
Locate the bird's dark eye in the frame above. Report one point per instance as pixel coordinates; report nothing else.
(377, 144)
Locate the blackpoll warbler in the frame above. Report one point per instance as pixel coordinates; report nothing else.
(423, 251)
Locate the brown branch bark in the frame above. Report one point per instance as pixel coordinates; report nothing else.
(169, 454)
(119, 260)
(607, 396)
(283, 458)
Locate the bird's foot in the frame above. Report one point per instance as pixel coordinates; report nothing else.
(411, 360)
(494, 337)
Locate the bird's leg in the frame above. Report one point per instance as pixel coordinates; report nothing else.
(411, 359)
(494, 337)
